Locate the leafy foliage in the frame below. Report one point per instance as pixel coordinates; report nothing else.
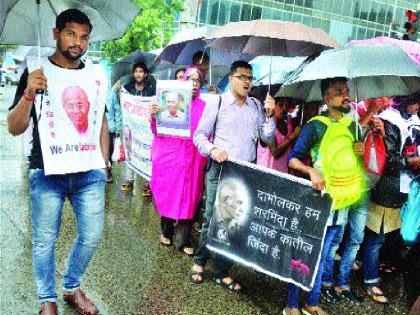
(147, 29)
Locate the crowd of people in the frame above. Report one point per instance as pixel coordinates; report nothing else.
(318, 141)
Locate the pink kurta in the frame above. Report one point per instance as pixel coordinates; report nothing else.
(265, 158)
(178, 171)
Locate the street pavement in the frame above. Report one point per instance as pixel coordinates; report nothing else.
(131, 273)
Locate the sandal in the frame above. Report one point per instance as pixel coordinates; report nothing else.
(188, 251)
(387, 268)
(146, 193)
(165, 241)
(318, 311)
(230, 286)
(200, 274)
(377, 295)
(356, 265)
(127, 186)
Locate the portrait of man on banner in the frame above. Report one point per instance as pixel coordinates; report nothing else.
(128, 139)
(231, 209)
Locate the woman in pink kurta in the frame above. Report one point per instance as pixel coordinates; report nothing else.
(178, 174)
(274, 155)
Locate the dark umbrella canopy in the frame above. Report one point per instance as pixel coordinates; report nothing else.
(19, 20)
(260, 91)
(270, 37)
(124, 66)
(166, 71)
(372, 71)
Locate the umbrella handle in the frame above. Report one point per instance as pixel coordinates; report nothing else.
(210, 73)
(301, 116)
(356, 114)
(38, 12)
(271, 62)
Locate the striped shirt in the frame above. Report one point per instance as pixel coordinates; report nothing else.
(237, 128)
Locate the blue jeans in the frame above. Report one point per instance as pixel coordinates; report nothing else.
(356, 222)
(373, 244)
(313, 295)
(86, 192)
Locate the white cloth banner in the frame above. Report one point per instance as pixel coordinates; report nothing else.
(70, 118)
(137, 133)
(174, 99)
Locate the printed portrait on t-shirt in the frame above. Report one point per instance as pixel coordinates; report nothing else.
(76, 105)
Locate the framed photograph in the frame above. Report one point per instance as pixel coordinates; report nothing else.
(174, 98)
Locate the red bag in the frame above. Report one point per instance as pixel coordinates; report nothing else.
(118, 154)
(375, 153)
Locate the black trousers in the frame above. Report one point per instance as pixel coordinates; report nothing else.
(111, 145)
(221, 263)
(178, 231)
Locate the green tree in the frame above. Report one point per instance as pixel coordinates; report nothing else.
(148, 29)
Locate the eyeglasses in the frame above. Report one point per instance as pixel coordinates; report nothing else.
(244, 77)
(196, 81)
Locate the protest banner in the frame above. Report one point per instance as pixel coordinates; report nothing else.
(69, 117)
(174, 98)
(271, 221)
(137, 134)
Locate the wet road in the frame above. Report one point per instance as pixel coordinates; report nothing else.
(131, 273)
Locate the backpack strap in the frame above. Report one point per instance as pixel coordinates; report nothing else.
(325, 120)
(346, 121)
(215, 121)
(253, 101)
(210, 160)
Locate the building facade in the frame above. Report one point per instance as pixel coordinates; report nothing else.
(342, 19)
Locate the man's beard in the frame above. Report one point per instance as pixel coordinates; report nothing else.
(344, 110)
(139, 80)
(67, 54)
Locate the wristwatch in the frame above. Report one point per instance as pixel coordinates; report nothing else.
(108, 164)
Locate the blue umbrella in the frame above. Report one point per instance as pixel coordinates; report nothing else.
(372, 71)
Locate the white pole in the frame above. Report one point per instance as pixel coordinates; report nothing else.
(38, 11)
(271, 62)
(210, 73)
(356, 114)
(393, 19)
(301, 116)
